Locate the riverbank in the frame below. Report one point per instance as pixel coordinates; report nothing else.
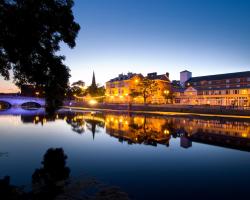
(166, 109)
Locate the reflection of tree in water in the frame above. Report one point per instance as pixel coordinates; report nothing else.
(52, 181)
(147, 134)
(77, 125)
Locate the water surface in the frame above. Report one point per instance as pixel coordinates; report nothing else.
(147, 156)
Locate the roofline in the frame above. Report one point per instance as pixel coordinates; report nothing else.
(219, 74)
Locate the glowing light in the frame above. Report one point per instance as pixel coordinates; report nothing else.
(166, 91)
(121, 97)
(136, 81)
(44, 120)
(92, 102)
(166, 132)
(244, 91)
(121, 120)
(244, 135)
(37, 93)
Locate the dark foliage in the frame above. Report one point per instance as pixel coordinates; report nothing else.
(31, 31)
(49, 180)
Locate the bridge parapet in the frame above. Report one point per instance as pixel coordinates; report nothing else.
(18, 101)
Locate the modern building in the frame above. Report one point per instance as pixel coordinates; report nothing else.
(118, 90)
(232, 89)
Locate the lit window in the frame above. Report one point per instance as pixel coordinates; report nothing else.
(236, 91)
(244, 91)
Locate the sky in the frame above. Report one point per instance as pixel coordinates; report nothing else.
(142, 36)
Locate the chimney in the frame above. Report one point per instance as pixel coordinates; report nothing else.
(167, 74)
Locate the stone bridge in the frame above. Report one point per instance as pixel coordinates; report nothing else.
(19, 101)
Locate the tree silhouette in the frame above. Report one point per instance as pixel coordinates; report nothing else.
(145, 88)
(31, 31)
(49, 180)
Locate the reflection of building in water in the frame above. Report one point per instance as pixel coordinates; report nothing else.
(227, 133)
(153, 130)
(138, 129)
(80, 122)
(240, 129)
(185, 142)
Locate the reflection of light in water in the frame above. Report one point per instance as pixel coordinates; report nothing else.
(244, 135)
(13, 120)
(44, 120)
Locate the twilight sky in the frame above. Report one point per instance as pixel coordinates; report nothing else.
(142, 36)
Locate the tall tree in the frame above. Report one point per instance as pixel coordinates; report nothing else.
(31, 31)
(145, 88)
(79, 83)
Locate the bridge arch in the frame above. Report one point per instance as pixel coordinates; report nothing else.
(22, 101)
(4, 105)
(30, 105)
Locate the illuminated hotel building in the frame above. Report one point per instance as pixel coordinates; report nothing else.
(231, 89)
(118, 89)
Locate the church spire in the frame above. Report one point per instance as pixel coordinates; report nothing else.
(93, 80)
